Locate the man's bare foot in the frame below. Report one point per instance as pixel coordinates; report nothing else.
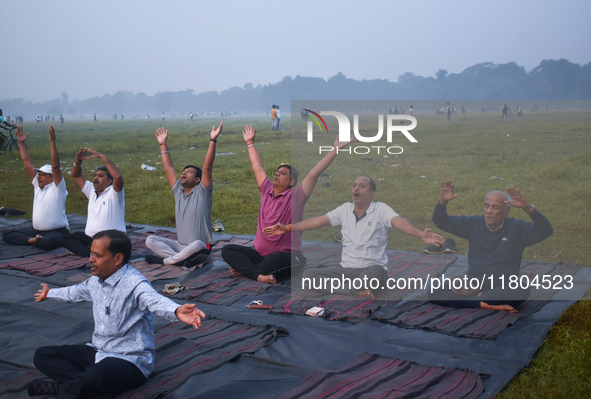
(506, 308)
(366, 294)
(267, 278)
(36, 239)
(234, 273)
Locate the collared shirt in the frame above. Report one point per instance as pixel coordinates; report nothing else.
(122, 307)
(105, 211)
(285, 208)
(365, 238)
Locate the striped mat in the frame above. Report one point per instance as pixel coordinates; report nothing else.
(401, 265)
(46, 264)
(218, 287)
(181, 352)
(475, 323)
(375, 376)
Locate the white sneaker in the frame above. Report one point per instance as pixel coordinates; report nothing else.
(218, 226)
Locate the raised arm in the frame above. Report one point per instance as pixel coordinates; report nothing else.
(308, 224)
(255, 159)
(21, 138)
(518, 200)
(542, 228)
(76, 174)
(407, 227)
(162, 136)
(446, 193)
(113, 170)
(206, 176)
(56, 170)
(311, 179)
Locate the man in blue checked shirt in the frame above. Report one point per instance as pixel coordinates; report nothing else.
(121, 355)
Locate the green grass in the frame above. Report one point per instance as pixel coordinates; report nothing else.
(544, 154)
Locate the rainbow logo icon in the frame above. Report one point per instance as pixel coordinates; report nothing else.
(306, 114)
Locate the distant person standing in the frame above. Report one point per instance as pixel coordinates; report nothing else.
(274, 117)
(505, 111)
(95, 116)
(61, 119)
(448, 112)
(411, 111)
(278, 118)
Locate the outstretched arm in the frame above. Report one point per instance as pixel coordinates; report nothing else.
(21, 138)
(407, 227)
(41, 295)
(447, 192)
(206, 176)
(113, 170)
(255, 159)
(189, 314)
(308, 224)
(162, 136)
(56, 170)
(311, 179)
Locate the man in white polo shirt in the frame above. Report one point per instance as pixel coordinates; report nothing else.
(106, 202)
(49, 201)
(365, 227)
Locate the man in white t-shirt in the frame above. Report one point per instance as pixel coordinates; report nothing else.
(365, 227)
(106, 202)
(49, 202)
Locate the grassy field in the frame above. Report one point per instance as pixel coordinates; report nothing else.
(544, 154)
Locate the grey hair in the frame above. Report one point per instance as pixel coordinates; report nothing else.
(507, 197)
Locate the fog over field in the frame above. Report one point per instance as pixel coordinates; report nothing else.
(86, 49)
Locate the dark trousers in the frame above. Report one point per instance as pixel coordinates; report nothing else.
(315, 275)
(51, 238)
(74, 368)
(248, 262)
(77, 243)
(495, 296)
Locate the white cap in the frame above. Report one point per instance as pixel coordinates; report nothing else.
(45, 169)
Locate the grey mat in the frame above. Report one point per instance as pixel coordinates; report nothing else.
(313, 343)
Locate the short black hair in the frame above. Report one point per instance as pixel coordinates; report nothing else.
(120, 243)
(292, 172)
(106, 170)
(199, 172)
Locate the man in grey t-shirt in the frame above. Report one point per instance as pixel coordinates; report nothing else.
(193, 199)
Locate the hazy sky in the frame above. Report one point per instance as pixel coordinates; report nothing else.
(87, 49)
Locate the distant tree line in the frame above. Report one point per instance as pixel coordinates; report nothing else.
(550, 80)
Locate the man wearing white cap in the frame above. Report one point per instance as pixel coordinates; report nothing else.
(49, 203)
